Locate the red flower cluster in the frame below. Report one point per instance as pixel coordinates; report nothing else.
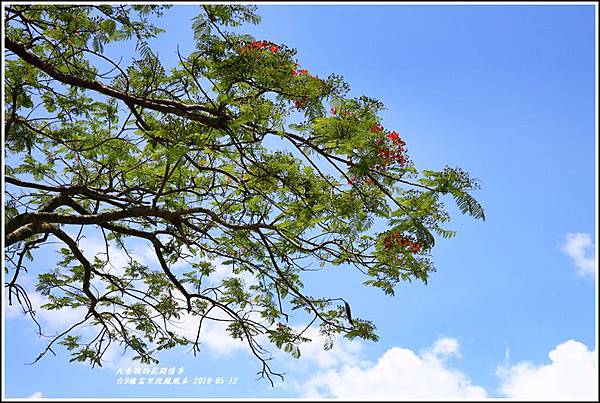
(260, 45)
(390, 150)
(300, 72)
(395, 239)
(354, 180)
(377, 129)
(391, 147)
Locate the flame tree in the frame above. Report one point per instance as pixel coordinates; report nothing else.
(237, 157)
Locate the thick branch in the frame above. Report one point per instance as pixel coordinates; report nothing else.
(160, 105)
(101, 218)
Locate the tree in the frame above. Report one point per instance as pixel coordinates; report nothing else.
(237, 157)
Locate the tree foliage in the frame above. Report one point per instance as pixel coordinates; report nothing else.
(237, 157)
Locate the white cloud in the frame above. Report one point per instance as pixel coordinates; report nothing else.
(214, 337)
(13, 311)
(399, 374)
(572, 375)
(446, 346)
(51, 320)
(344, 351)
(36, 395)
(575, 246)
(224, 271)
(117, 258)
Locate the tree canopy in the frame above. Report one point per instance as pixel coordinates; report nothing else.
(237, 157)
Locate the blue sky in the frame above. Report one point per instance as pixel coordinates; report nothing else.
(505, 92)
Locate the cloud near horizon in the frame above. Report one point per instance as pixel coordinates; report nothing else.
(571, 375)
(399, 374)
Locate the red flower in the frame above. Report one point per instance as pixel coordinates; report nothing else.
(377, 129)
(259, 45)
(303, 71)
(294, 73)
(392, 136)
(333, 111)
(415, 247)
